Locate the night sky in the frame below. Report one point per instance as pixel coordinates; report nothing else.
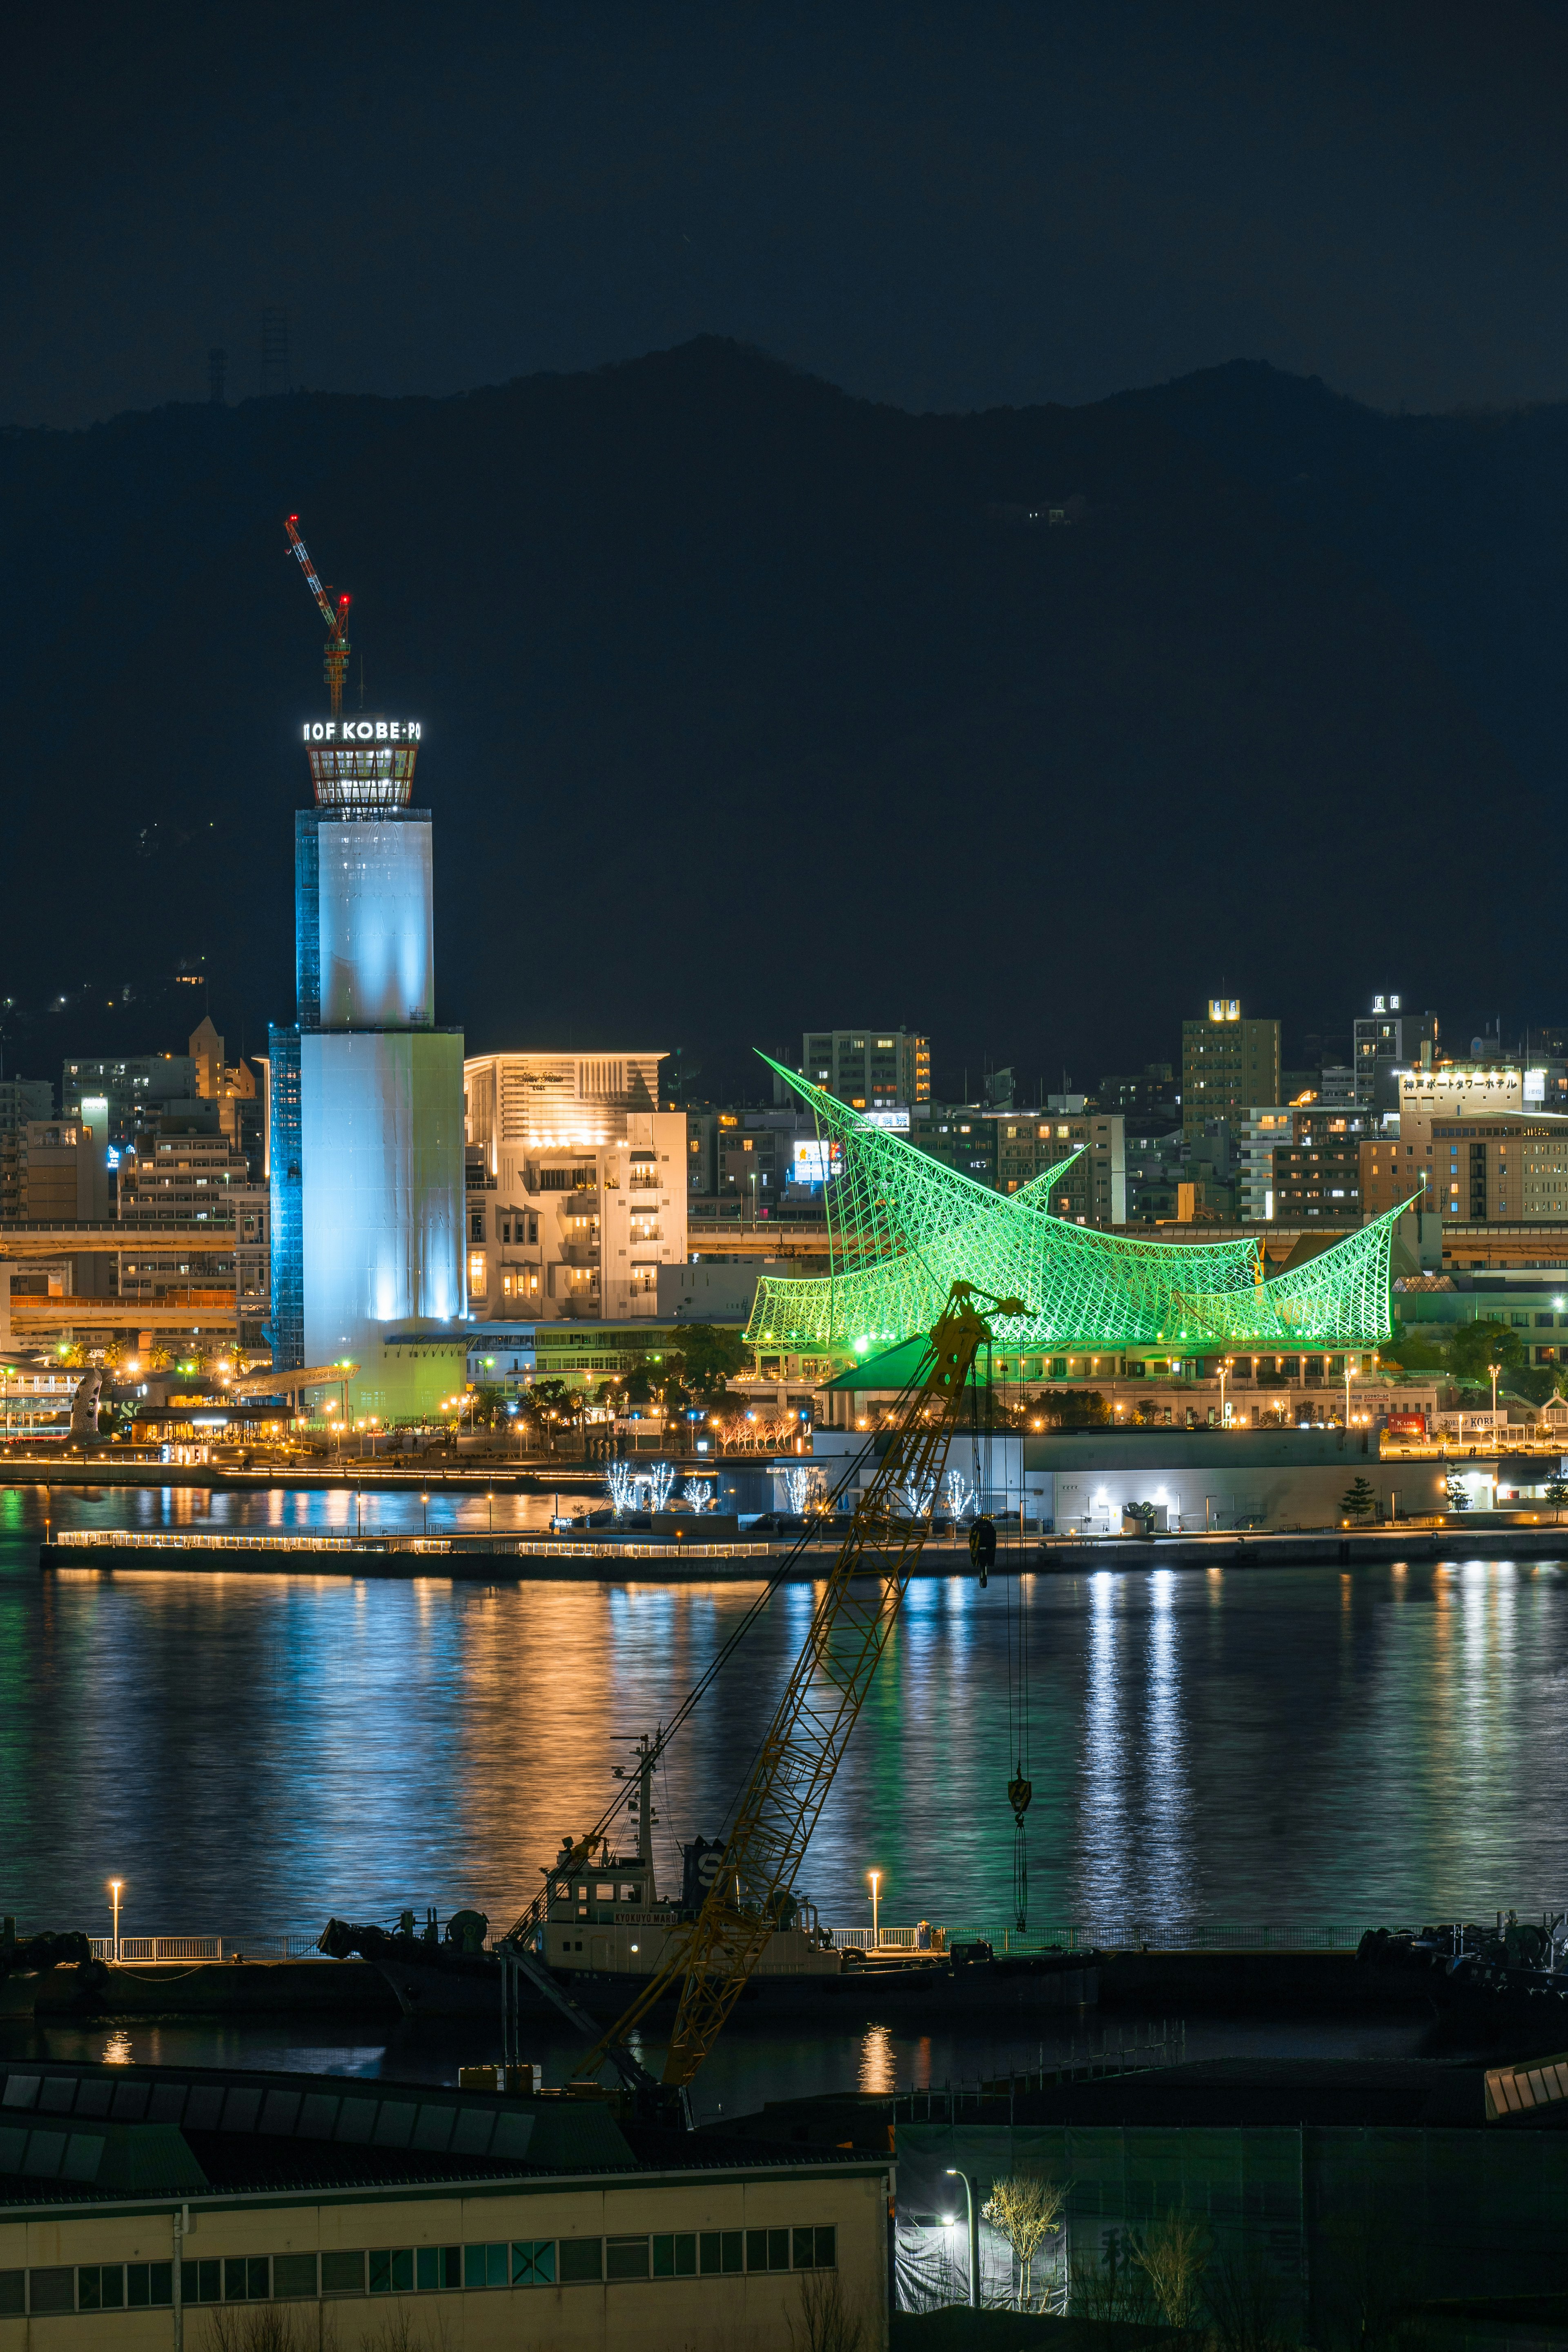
(700, 638)
(940, 207)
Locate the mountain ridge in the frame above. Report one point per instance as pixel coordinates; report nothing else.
(743, 695)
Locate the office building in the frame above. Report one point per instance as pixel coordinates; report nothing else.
(22, 1100)
(179, 1173)
(1229, 1061)
(576, 1189)
(870, 1069)
(1266, 1126)
(1005, 1150)
(1151, 1101)
(1317, 1169)
(546, 1100)
(365, 1093)
(1386, 1040)
(53, 1172)
(234, 1088)
(135, 1087)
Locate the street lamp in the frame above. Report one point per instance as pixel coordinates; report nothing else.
(114, 1886)
(1227, 1365)
(876, 1878)
(1350, 1375)
(1494, 1370)
(954, 2174)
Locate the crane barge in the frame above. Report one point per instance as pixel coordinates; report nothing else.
(751, 1929)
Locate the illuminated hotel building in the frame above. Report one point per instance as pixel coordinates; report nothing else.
(576, 1186)
(366, 1093)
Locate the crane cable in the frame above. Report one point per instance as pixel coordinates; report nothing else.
(1020, 1788)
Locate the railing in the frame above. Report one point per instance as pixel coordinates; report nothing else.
(197, 1949)
(1118, 1935)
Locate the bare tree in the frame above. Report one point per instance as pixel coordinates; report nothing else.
(828, 2320)
(246, 2327)
(1242, 2293)
(1026, 2209)
(1113, 2285)
(1173, 2256)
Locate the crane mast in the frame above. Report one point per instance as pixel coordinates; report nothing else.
(334, 665)
(804, 1745)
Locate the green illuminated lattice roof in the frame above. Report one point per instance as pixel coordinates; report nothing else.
(902, 1228)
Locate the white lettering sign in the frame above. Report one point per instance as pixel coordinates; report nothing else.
(362, 731)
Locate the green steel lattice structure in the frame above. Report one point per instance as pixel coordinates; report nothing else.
(902, 1228)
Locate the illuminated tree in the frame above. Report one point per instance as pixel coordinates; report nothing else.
(1026, 2209)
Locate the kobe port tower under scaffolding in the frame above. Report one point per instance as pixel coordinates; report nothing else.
(366, 1119)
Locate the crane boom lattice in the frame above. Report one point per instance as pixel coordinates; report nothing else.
(804, 1745)
(334, 667)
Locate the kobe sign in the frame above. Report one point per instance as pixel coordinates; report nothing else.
(362, 730)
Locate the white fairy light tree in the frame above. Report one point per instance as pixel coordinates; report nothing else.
(958, 1495)
(697, 1495)
(623, 1488)
(659, 1481)
(917, 1500)
(803, 1490)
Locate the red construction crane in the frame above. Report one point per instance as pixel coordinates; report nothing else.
(334, 615)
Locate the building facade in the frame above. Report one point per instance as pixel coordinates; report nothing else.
(1385, 1040)
(1229, 1060)
(365, 1094)
(577, 1186)
(870, 1069)
(135, 1086)
(1317, 1166)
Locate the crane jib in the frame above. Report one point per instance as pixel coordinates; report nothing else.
(801, 1750)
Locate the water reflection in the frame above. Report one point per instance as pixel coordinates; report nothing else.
(879, 2067)
(252, 1752)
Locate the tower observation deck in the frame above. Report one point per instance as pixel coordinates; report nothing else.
(362, 763)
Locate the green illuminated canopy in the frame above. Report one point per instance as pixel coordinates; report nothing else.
(901, 1228)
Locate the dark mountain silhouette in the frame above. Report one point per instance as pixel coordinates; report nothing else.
(749, 705)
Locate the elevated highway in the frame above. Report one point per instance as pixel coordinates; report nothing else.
(23, 1242)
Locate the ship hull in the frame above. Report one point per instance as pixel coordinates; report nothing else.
(469, 1986)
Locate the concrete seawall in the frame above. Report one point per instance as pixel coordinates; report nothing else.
(573, 1562)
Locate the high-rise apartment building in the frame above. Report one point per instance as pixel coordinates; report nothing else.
(365, 1093)
(870, 1069)
(1229, 1061)
(576, 1186)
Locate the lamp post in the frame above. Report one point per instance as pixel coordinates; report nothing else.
(1494, 1370)
(424, 1499)
(114, 1886)
(876, 1878)
(954, 2174)
(1227, 1364)
(1350, 1375)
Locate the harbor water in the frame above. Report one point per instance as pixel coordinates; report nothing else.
(252, 1752)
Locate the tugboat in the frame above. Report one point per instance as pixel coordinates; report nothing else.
(602, 1928)
(1507, 1981)
(26, 1960)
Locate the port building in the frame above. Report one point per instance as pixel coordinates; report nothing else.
(136, 2202)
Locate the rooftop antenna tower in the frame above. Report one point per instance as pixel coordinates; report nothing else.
(274, 350)
(334, 611)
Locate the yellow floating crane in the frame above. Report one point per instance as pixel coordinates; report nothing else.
(804, 1745)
